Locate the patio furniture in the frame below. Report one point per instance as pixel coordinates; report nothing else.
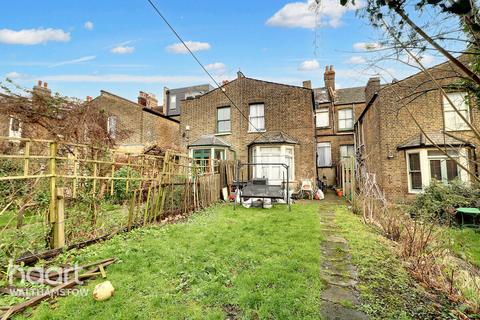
(306, 189)
(472, 212)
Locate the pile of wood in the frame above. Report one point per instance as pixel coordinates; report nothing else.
(55, 279)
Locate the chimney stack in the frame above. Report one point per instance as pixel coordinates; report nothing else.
(373, 86)
(307, 84)
(329, 77)
(41, 89)
(148, 100)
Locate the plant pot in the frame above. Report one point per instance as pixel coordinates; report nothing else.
(339, 192)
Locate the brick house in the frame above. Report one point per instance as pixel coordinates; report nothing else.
(173, 98)
(335, 114)
(392, 148)
(280, 127)
(141, 123)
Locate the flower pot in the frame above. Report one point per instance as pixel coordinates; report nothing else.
(339, 192)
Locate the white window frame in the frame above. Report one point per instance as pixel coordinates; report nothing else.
(285, 151)
(224, 120)
(425, 167)
(254, 124)
(344, 119)
(14, 133)
(172, 104)
(112, 129)
(326, 122)
(452, 120)
(329, 162)
(343, 146)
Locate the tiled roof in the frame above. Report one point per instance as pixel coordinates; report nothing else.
(209, 140)
(439, 138)
(274, 137)
(342, 96)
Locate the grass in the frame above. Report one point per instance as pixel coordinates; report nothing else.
(387, 290)
(465, 243)
(248, 264)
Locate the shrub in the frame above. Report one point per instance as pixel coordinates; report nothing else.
(120, 186)
(8, 187)
(439, 201)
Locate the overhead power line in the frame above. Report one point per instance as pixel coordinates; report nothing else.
(200, 63)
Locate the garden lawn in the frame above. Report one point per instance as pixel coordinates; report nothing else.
(248, 264)
(465, 243)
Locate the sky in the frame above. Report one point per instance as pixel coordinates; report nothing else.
(122, 46)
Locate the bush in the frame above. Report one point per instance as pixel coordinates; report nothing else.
(439, 201)
(8, 187)
(120, 186)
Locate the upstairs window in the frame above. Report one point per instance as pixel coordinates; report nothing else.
(15, 128)
(173, 102)
(112, 126)
(324, 154)
(322, 118)
(223, 120)
(256, 118)
(453, 121)
(345, 119)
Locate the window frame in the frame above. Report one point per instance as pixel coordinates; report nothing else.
(285, 151)
(172, 103)
(352, 146)
(229, 120)
(324, 144)
(322, 111)
(11, 132)
(252, 119)
(352, 119)
(410, 171)
(448, 109)
(112, 132)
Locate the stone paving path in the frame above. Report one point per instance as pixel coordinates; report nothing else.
(340, 298)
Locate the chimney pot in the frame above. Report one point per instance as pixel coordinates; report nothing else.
(89, 99)
(45, 85)
(39, 83)
(329, 77)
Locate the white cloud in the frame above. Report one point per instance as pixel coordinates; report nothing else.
(14, 75)
(309, 14)
(88, 25)
(33, 36)
(356, 60)
(309, 65)
(122, 50)
(216, 67)
(179, 48)
(75, 61)
(366, 46)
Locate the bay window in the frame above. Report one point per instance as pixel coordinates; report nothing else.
(267, 155)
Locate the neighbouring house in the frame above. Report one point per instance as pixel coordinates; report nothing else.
(273, 123)
(137, 126)
(393, 150)
(335, 114)
(173, 98)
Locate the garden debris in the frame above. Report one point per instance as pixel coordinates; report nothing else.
(95, 269)
(103, 291)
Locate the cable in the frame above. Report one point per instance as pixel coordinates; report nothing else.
(201, 65)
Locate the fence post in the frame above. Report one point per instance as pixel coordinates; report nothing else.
(26, 163)
(53, 188)
(59, 222)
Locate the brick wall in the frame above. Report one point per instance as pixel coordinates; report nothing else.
(137, 127)
(287, 108)
(387, 124)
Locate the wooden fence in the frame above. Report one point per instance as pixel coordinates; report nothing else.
(78, 192)
(346, 177)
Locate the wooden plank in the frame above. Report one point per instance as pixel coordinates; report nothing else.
(53, 187)
(59, 223)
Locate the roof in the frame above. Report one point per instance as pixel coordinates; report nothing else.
(274, 137)
(342, 96)
(152, 111)
(209, 140)
(442, 139)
